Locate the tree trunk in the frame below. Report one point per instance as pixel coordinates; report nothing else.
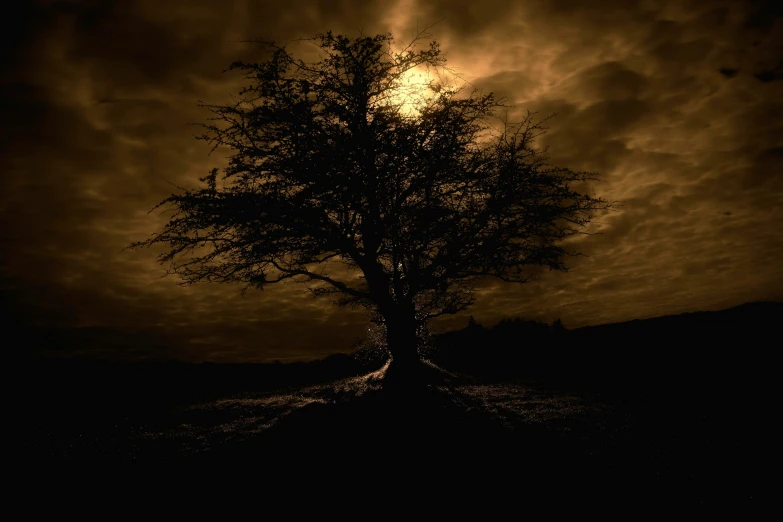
(401, 339)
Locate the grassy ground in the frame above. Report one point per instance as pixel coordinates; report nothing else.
(687, 439)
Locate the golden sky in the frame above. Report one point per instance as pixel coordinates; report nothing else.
(676, 104)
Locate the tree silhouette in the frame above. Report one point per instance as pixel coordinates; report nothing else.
(382, 198)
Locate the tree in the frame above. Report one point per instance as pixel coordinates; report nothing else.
(558, 328)
(390, 200)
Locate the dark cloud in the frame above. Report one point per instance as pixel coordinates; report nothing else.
(770, 75)
(763, 14)
(98, 96)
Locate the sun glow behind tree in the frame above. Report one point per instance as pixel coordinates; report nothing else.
(417, 88)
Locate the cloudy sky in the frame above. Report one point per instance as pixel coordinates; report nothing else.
(676, 104)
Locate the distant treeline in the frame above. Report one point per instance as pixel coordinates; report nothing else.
(732, 340)
(508, 348)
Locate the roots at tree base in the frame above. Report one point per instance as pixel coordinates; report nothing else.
(412, 376)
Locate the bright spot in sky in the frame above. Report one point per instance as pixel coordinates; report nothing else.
(413, 91)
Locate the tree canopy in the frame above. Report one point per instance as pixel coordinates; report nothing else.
(379, 197)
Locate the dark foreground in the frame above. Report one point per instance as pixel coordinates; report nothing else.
(695, 440)
(663, 412)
